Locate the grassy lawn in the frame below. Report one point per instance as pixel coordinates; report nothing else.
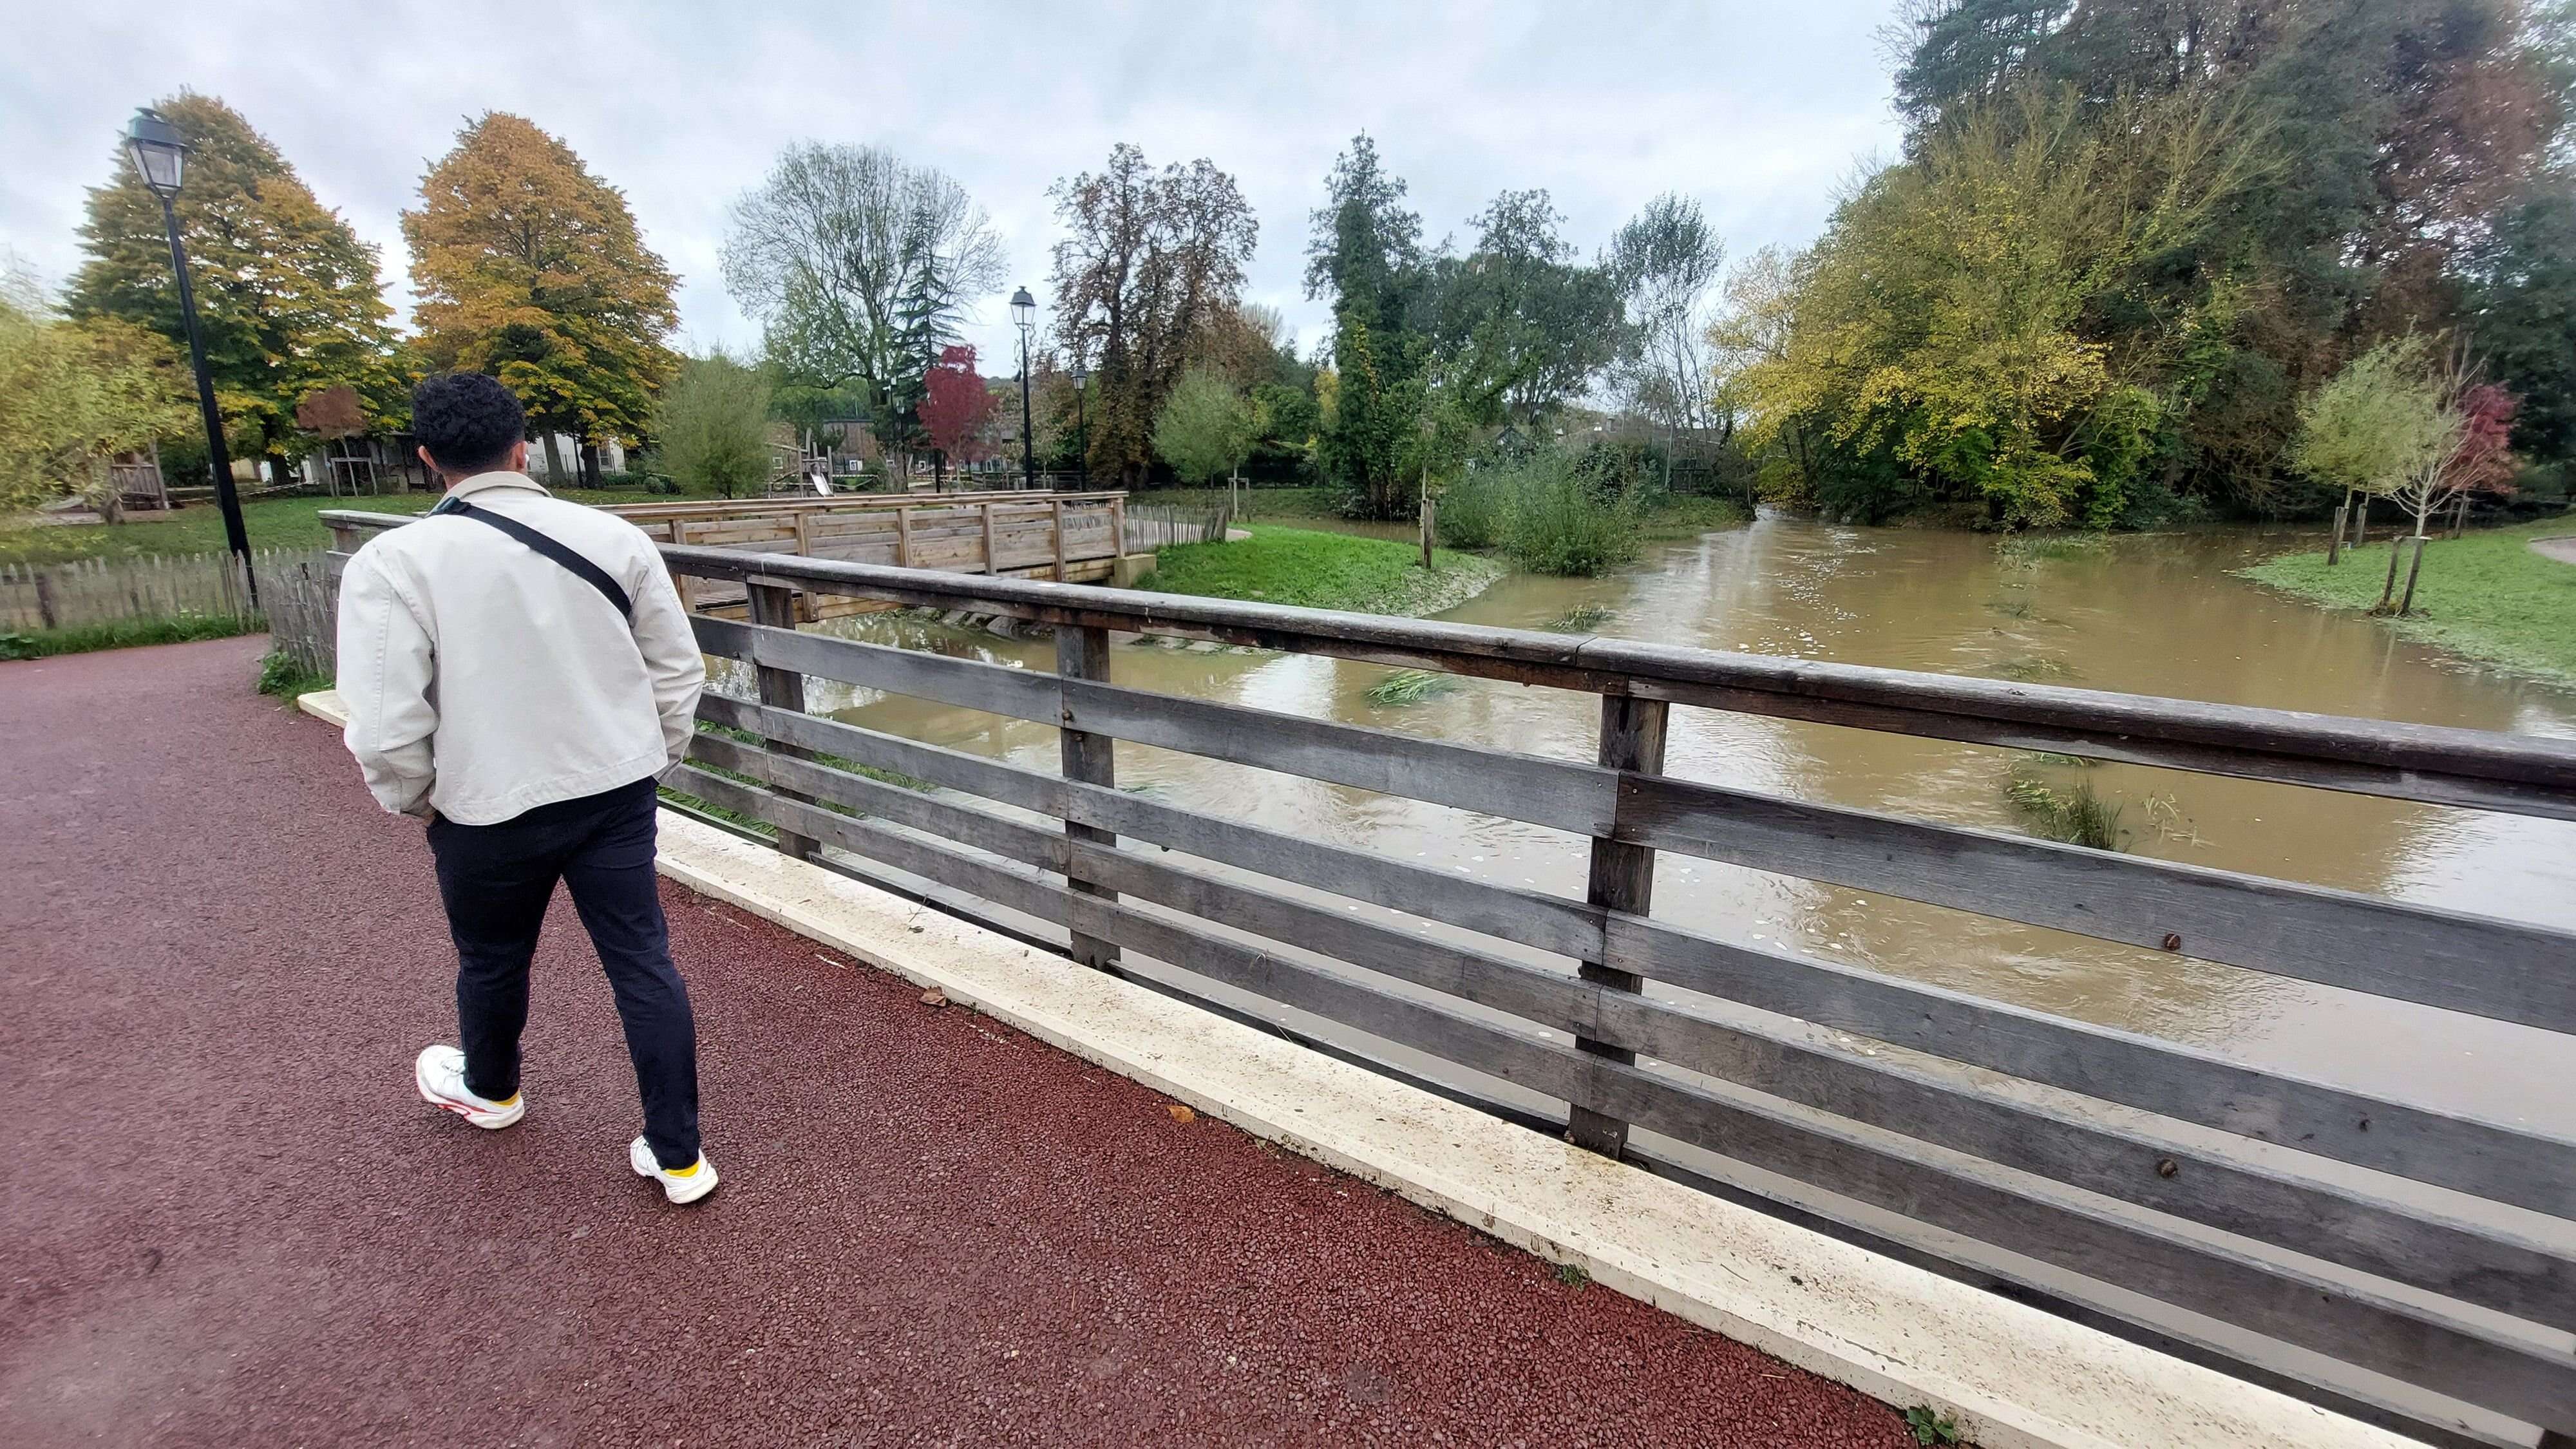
(199, 528)
(1323, 571)
(2486, 595)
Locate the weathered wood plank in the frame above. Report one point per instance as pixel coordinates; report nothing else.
(1089, 759)
(781, 689)
(1580, 798)
(2476, 964)
(2488, 1159)
(1533, 918)
(1622, 876)
(994, 688)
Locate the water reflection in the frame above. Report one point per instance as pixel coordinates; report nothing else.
(2159, 615)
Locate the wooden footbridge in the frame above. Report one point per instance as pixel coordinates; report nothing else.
(1070, 537)
(2399, 1261)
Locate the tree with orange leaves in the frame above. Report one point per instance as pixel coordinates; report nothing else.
(531, 268)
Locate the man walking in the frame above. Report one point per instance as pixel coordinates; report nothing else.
(518, 672)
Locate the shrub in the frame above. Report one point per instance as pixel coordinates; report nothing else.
(1471, 512)
(1557, 521)
(713, 422)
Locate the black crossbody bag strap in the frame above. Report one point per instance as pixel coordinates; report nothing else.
(589, 572)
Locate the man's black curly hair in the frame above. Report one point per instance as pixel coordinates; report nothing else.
(467, 421)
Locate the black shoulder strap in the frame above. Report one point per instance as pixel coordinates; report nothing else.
(590, 573)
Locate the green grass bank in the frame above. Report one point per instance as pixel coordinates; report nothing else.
(1316, 570)
(2488, 595)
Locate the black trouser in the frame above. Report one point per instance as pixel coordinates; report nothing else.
(497, 879)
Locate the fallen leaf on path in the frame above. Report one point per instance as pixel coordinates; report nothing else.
(934, 997)
(1180, 1113)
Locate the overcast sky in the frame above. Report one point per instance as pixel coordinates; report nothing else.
(1758, 111)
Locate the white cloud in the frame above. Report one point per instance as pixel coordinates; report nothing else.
(1755, 114)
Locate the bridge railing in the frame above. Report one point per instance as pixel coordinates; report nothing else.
(2448, 1263)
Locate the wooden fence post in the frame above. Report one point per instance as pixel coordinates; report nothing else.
(1090, 758)
(1059, 545)
(775, 605)
(2334, 545)
(1623, 879)
(1117, 529)
(992, 560)
(903, 538)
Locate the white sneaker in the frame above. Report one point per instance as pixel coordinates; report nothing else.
(440, 1075)
(688, 1186)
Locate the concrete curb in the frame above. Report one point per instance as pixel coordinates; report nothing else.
(2013, 1376)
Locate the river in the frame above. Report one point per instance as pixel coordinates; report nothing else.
(2159, 614)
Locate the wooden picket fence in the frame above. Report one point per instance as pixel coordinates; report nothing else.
(1151, 526)
(86, 592)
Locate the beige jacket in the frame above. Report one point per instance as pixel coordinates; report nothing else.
(485, 679)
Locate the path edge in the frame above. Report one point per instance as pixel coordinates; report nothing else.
(2013, 1376)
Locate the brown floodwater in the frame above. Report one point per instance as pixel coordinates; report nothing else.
(2157, 614)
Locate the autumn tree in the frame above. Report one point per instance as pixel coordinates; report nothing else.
(1149, 272)
(530, 268)
(1948, 320)
(858, 265)
(74, 394)
(287, 299)
(956, 404)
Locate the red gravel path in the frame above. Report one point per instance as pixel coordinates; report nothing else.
(229, 1221)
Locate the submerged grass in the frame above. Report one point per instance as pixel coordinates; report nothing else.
(2488, 595)
(1582, 618)
(2030, 667)
(2077, 816)
(1318, 570)
(1411, 686)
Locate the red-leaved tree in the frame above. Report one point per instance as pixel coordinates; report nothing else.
(2484, 461)
(954, 404)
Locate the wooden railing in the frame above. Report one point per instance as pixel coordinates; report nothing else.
(2469, 1292)
(1064, 536)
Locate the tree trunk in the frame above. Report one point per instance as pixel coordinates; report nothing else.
(554, 460)
(1425, 513)
(2412, 570)
(2388, 589)
(589, 464)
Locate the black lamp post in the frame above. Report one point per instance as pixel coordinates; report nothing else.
(162, 157)
(1081, 430)
(1024, 315)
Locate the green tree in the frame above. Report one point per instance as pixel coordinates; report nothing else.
(531, 268)
(73, 395)
(287, 296)
(2373, 424)
(2523, 309)
(1518, 327)
(830, 252)
(1376, 406)
(1206, 428)
(713, 426)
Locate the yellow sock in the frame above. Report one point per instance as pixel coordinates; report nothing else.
(511, 1101)
(689, 1171)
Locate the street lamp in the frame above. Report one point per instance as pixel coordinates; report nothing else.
(1024, 315)
(161, 158)
(1081, 430)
